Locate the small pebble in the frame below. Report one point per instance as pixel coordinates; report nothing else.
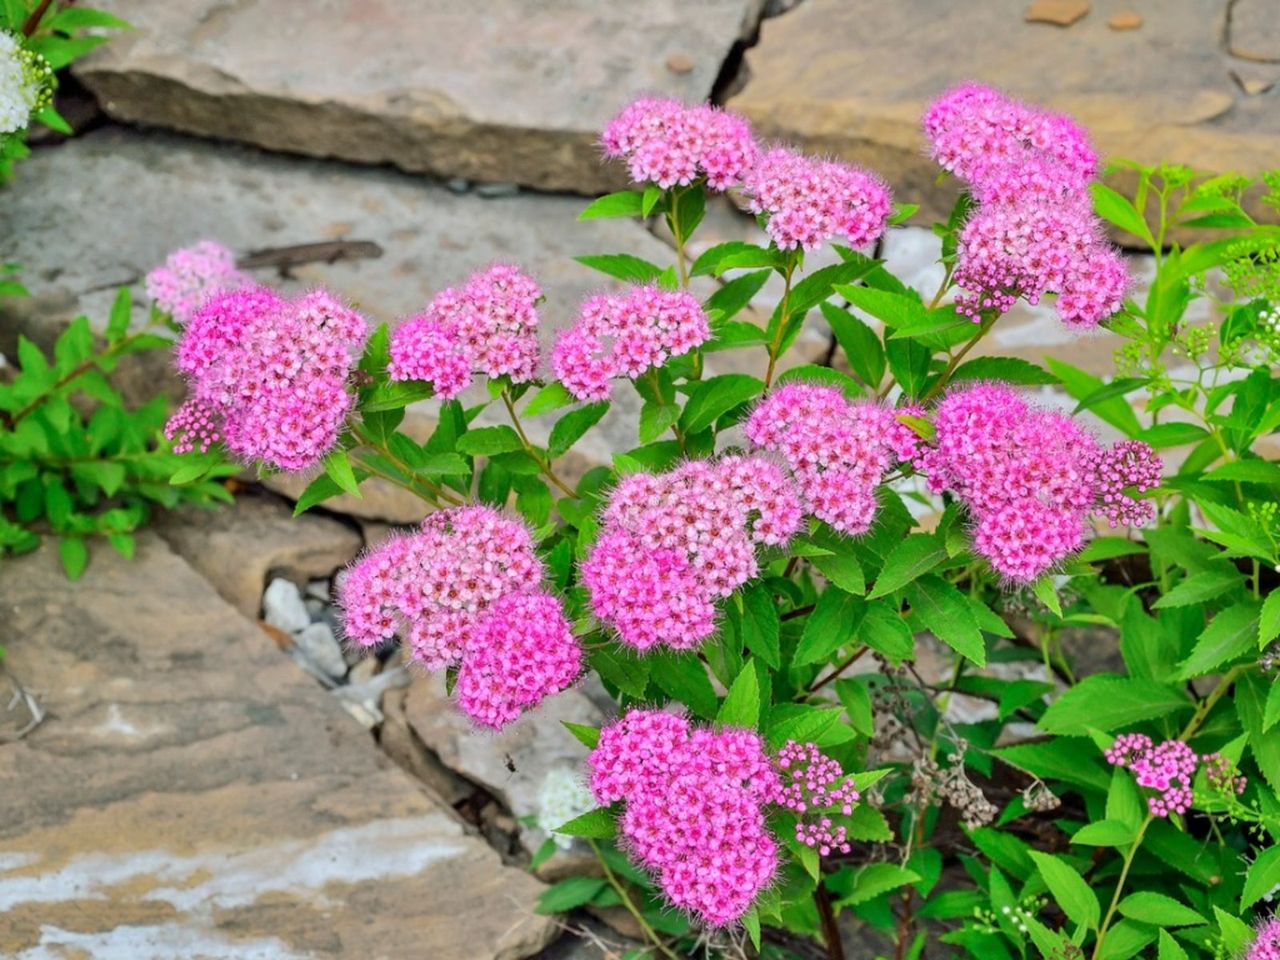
(319, 590)
(1060, 13)
(680, 63)
(282, 606)
(317, 643)
(1126, 20)
(458, 184)
(494, 190)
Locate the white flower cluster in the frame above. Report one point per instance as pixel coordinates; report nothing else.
(25, 81)
(561, 797)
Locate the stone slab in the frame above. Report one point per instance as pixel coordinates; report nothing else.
(516, 93)
(852, 78)
(191, 794)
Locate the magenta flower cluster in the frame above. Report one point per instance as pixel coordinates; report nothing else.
(268, 377)
(191, 275)
(669, 144)
(1266, 942)
(839, 451)
(1166, 768)
(812, 783)
(1030, 477)
(465, 590)
(1034, 231)
(623, 335)
(809, 201)
(673, 544)
(489, 324)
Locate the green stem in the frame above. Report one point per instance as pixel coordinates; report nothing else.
(79, 370)
(983, 329)
(673, 220)
(652, 376)
(783, 309)
(544, 464)
(943, 287)
(1124, 875)
(627, 902)
(421, 487)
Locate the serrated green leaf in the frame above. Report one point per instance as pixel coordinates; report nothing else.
(1228, 636)
(1201, 587)
(623, 266)
(874, 879)
(843, 570)
(761, 627)
(860, 344)
(1105, 702)
(1262, 878)
(551, 397)
(1160, 910)
(715, 397)
(1104, 833)
(741, 706)
(1074, 896)
(656, 419)
(597, 824)
(337, 466)
(568, 894)
(910, 559)
(121, 313)
(317, 491)
(683, 676)
(1007, 369)
(830, 626)
(487, 441)
(946, 613)
(74, 555)
(586, 735)
(570, 428)
(624, 203)
(1117, 209)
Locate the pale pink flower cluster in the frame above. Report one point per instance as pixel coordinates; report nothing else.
(809, 201)
(1222, 774)
(1034, 231)
(1266, 943)
(268, 377)
(695, 808)
(1030, 477)
(839, 451)
(465, 591)
(623, 335)
(190, 276)
(673, 544)
(490, 323)
(813, 784)
(1167, 769)
(670, 144)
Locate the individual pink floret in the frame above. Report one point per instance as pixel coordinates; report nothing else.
(624, 335)
(190, 276)
(268, 377)
(809, 201)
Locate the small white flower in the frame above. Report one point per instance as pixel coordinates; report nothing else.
(561, 797)
(24, 82)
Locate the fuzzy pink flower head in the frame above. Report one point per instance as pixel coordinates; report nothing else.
(1266, 942)
(814, 787)
(521, 651)
(635, 752)
(669, 144)
(489, 324)
(624, 335)
(1166, 768)
(809, 201)
(838, 451)
(268, 377)
(673, 544)
(190, 276)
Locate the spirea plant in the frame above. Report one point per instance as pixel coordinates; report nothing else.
(769, 574)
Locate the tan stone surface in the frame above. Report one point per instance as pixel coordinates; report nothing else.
(852, 77)
(191, 794)
(237, 547)
(1253, 30)
(1060, 13)
(514, 91)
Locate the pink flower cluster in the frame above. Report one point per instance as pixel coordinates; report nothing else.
(1266, 943)
(839, 451)
(808, 201)
(696, 801)
(190, 276)
(465, 590)
(268, 377)
(623, 335)
(672, 544)
(669, 144)
(1030, 477)
(490, 324)
(1166, 769)
(1222, 774)
(1034, 231)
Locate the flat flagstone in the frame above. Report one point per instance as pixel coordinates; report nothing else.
(191, 793)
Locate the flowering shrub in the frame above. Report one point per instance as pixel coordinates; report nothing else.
(747, 579)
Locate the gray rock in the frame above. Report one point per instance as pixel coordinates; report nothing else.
(318, 590)
(516, 95)
(282, 606)
(317, 643)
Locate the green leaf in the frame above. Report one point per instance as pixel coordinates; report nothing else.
(623, 266)
(1124, 802)
(338, 468)
(487, 441)
(1170, 949)
(1079, 384)
(622, 668)
(1074, 896)
(317, 491)
(1247, 471)
(441, 465)
(1059, 759)
(1115, 208)
(682, 676)
(1199, 587)
(396, 395)
(832, 624)
(1228, 636)
(843, 570)
(121, 312)
(1107, 391)
(570, 428)
(741, 707)
(1262, 878)
(911, 558)
(715, 397)
(887, 633)
(569, 893)
(1104, 833)
(551, 397)
(656, 419)
(891, 309)
(1047, 593)
(624, 203)
(1271, 712)
(751, 922)
(868, 825)
(1007, 369)
(1158, 909)
(1105, 702)
(1269, 619)
(586, 735)
(924, 325)
(874, 879)
(860, 344)
(945, 612)
(731, 298)
(597, 824)
(1107, 548)
(1164, 435)
(74, 555)
(909, 362)
(761, 628)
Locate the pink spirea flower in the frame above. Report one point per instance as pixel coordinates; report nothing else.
(839, 451)
(190, 276)
(1266, 942)
(809, 201)
(465, 590)
(1030, 477)
(670, 144)
(673, 544)
(1166, 768)
(696, 800)
(1034, 231)
(623, 335)
(1222, 775)
(489, 324)
(268, 377)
